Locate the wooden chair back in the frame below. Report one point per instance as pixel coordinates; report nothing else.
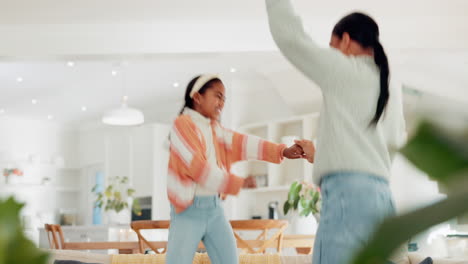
(264, 226)
(143, 243)
(55, 236)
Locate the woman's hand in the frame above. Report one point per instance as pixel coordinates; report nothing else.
(308, 148)
(293, 152)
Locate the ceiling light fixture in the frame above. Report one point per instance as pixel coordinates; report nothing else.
(124, 115)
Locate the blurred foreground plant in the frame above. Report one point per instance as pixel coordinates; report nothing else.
(443, 156)
(15, 247)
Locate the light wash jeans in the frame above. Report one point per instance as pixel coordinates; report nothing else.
(203, 221)
(354, 204)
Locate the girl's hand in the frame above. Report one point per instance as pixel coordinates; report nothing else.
(308, 148)
(293, 152)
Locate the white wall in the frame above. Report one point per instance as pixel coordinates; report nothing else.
(19, 139)
(137, 152)
(122, 151)
(143, 163)
(412, 188)
(161, 207)
(22, 138)
(256, 101)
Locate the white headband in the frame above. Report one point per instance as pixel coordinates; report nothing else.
(201, 82)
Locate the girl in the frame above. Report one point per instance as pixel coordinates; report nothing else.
(201, 154)
(359, 128)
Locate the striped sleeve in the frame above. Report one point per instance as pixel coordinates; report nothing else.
(248, 147)
(189, 162)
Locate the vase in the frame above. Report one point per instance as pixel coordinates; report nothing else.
(121, 218)
(303, 225)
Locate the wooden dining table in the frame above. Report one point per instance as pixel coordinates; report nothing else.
(304, 242)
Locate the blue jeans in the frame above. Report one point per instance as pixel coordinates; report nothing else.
(354, 204)
(203, 221)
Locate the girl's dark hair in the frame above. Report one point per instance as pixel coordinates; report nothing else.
(364, 30)
(189, 100)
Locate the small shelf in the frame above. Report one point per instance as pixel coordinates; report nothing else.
(71, 169)
(21, 185)
(67, 189)
(17, 186)
(284, 188)
(282, 131)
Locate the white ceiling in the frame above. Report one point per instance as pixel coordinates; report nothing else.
(163, 42)
(61, 90)
(103, 11)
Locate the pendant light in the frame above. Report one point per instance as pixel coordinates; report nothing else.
(123, 115)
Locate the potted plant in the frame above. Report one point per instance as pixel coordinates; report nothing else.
(305, 198)
(116, 199)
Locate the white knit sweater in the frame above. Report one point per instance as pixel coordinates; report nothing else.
(350, 87)
(204, 124)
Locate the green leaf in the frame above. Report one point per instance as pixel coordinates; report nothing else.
(312, 204)
(305, 212)
(286, 207)
(304, 203)
(136, 208)
(387, 240)
(15, 247)
(315, 197)
(292, 192)
(119, 207)
(437, 153)
(296, 203)
(293, 186)
(130, 192)
(108, 191)
(444, 157)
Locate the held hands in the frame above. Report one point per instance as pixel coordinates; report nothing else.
(293, 152)
(308, 148)
(302, 149)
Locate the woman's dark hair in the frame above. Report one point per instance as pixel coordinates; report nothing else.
(364, 30)
(189, 100)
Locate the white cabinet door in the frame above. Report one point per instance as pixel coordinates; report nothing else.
(118, 153)
(160, 204)
(142, 160)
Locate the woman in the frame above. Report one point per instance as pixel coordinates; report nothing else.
(361, 125)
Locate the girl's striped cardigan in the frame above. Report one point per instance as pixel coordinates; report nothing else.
(188, 165)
